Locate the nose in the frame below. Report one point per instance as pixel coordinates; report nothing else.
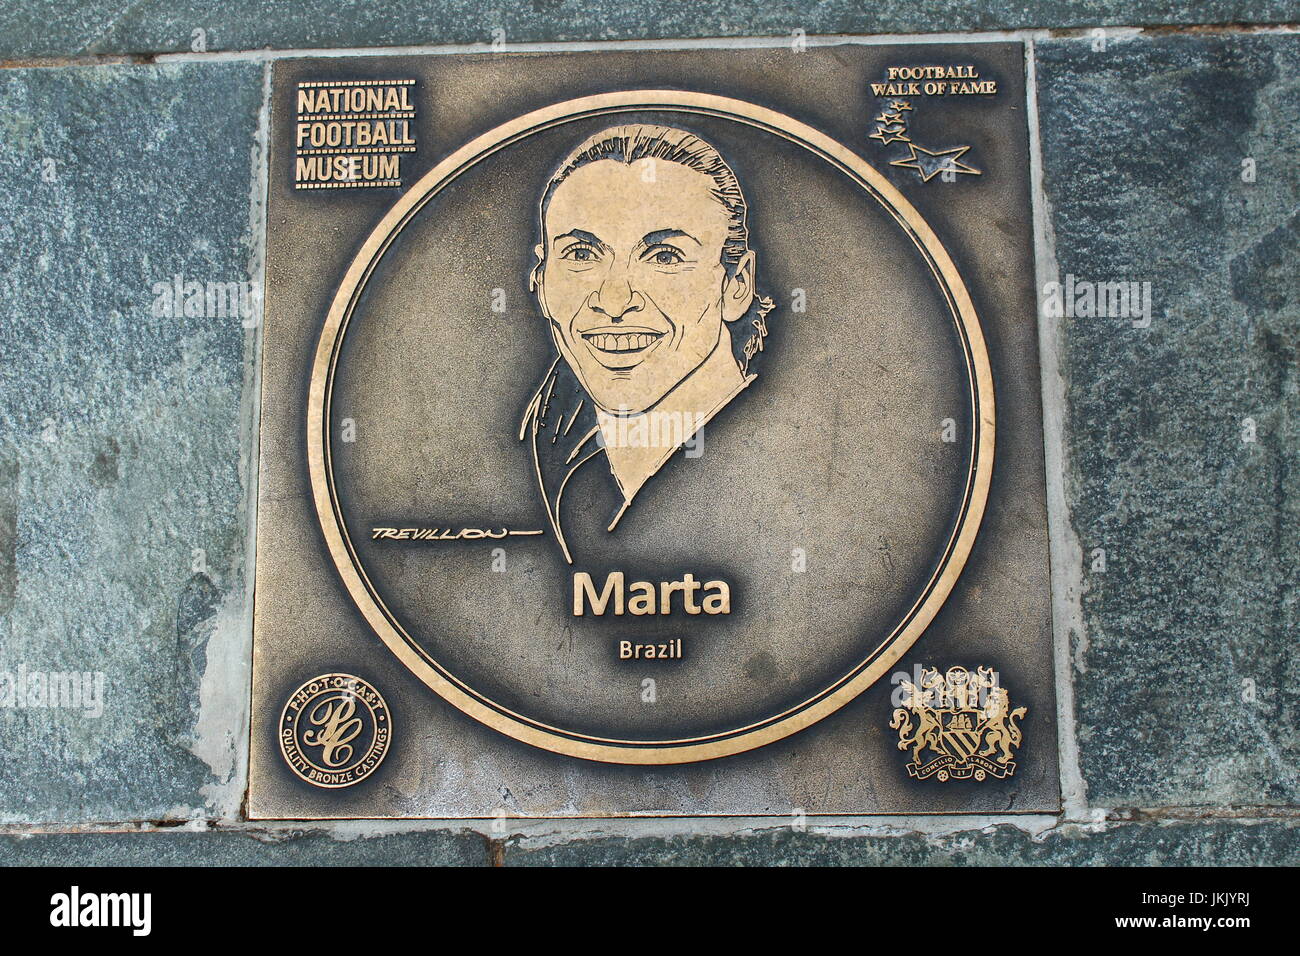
(615, 297)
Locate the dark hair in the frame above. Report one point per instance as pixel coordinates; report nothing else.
(629, 144)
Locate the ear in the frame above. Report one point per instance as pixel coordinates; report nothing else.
(738, 290)
(535, 277)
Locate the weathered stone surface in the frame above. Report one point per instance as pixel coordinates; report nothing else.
(1136, 844)
(1182, 436)
(231, 848)
(60, 27)
(122, 489)
(1180, 844)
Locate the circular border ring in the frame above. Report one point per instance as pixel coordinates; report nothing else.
(725, 743)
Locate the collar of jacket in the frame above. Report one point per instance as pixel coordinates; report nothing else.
(560, 422)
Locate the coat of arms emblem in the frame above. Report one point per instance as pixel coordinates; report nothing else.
(964, 721)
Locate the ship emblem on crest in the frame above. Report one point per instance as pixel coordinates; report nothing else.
(958, 725)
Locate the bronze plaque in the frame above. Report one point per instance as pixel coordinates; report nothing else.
(652, 433)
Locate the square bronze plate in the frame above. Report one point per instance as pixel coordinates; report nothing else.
(652, 433)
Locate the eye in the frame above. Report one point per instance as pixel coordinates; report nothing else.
(579, 252)
(665, 256)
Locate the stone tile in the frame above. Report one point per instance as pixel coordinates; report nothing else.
(1186, 676)
(233, 848)
(121, 461)
(57, 28)
(1177, 844)
(1217, 843)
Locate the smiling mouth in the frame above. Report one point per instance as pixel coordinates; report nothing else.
(622, 341)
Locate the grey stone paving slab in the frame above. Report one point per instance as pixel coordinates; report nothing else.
(121, 473)
(63, 27)
(1182, 436)
(1134, 844)
(1148, 844)
(1219, 843)
(226, 848)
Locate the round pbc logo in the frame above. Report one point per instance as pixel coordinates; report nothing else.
(335, 730)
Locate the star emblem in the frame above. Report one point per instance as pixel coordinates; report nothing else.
(930, 163)
(887, 136)
(897, 105)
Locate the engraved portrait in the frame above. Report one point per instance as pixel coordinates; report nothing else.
(647, 284)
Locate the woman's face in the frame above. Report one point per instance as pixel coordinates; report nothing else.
(632, 281)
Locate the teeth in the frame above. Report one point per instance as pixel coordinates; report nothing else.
(622, 341)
